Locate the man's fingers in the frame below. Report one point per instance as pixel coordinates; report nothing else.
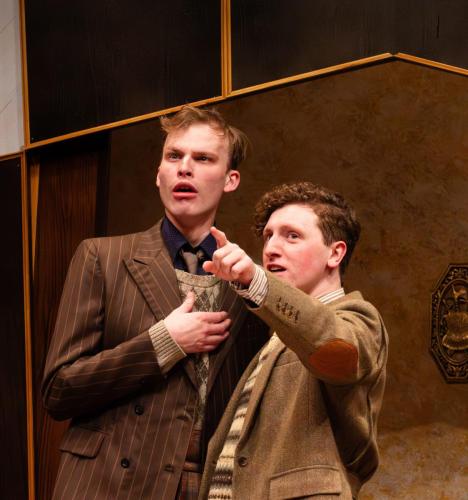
(228, 261)
(224, 258)
(219, 236)
(243, 266)
(209, 267)
(214, 340)
(187, 304)
(218, 328)
(212, 317)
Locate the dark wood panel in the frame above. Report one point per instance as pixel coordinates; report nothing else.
(13, 428)
(272, 39)
(69, 210)
(134, 202)
(92, 62)
(434, 29)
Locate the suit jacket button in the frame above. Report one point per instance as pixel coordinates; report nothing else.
(242, 461)
(125, 463)
(139, 410)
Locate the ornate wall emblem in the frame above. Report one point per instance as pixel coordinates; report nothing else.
(449, 336)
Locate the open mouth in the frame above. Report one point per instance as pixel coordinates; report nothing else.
(184, 191)
(274, 268)
(184, 187)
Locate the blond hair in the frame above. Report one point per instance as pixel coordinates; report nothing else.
(189, 115)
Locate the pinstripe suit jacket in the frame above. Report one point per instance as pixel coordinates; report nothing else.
(130, 424)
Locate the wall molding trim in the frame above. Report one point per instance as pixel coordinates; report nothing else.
(226, 53)
(227, 82)
(432, 64)
(312, 74)
(27, 327)
(10, 156)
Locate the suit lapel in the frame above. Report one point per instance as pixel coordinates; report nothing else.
(259, 387)
(237, 311)
(153, 272)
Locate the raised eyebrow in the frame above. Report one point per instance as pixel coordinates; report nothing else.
(288, 228)
(171, 149)
(204, 153)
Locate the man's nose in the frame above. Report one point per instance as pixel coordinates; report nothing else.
(185, 167)
(272, 247)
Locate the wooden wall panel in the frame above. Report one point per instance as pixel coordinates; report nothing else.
(13, 428)
(273, 39)
(69, 210)
(434, 29)
(91, 63)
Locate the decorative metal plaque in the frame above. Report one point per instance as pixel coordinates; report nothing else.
(449, 336)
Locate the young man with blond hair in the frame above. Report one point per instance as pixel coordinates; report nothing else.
(302, 420)
(147, 347)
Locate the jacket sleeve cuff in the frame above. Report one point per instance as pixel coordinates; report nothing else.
(168, 351)
(257, 291)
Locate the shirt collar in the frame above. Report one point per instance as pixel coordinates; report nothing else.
(174, 240)
(331, 296)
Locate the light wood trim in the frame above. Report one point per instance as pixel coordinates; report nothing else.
(10, 156)
(311, 74)
(226, 54)
(27, 329)
(34, 170)
(227, 82)
(24, 72)
(120, 123)
(432, 64)
(212, 100)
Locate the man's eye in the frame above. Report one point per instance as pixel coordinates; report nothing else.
(293, 236)
(203, 158)
(172, 155)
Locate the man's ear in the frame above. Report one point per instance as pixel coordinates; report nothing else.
(338, 251)
(232, 181)
(157, 177)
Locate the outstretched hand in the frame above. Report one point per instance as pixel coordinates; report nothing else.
(197, 331)
(230, 262)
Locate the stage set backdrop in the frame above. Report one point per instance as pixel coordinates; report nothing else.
(367, 98)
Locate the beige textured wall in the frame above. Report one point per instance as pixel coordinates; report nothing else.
(393, 138)
(11, 92)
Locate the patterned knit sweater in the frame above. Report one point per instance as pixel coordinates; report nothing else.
(207, 290)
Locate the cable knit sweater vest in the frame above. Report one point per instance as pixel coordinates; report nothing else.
(207, 290)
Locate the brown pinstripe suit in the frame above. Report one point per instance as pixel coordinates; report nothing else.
(131, 425)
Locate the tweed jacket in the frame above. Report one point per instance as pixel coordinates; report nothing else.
(131, 424)
(310, 427)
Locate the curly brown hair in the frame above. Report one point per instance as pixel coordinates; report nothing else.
(190, 115)
(336, 219)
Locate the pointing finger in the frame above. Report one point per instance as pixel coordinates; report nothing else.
(219, 236)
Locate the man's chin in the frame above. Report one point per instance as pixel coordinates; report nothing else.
(188, 217)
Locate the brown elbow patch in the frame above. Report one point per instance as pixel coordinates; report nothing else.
(335, 359)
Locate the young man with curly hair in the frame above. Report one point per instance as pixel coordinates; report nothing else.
(302, 420)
